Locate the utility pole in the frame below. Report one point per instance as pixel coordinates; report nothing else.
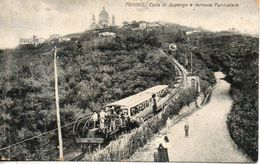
(190, 61)
(57, 105)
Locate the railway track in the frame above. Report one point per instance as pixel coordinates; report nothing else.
(170, 100)
(183, 82)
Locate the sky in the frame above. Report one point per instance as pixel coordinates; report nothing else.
(25, 18)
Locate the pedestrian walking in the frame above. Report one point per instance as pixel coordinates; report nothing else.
(186, 129)
(168, 124)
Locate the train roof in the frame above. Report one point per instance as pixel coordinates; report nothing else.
(138, 98)
(156, 88)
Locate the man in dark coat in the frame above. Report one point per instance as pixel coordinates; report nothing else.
(154, 104)
(163, 154)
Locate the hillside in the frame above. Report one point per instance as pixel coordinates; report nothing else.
(88, 79)
(94, 71)
(237, 56)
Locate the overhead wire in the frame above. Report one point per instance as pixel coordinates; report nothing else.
(31, 138)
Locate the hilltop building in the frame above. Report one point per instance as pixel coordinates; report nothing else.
(142, 25)
(64, 39)
(54, 36)
(106, 34)
(192, 32)
(103, 21)
(32, 41)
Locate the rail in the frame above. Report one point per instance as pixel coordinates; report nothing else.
(182, 84)
(170, 99)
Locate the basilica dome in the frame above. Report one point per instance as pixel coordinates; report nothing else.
(103, 18)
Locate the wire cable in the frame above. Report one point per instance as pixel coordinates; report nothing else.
(28, 139)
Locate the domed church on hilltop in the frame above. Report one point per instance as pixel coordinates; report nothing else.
(103, 21)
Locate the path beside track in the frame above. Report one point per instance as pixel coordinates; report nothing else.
(209, 139)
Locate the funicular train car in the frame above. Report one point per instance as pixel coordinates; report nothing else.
(128, 113)
(140, 105)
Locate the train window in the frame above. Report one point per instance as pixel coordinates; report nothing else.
(139, 107)
(147, 103)
(124, 112)
(158, 95)
(142, 106)
(135, 110)
(132, 111)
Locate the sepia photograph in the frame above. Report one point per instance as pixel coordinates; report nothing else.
(129, 81)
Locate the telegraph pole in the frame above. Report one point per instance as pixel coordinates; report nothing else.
(57, 105)
(190, 61)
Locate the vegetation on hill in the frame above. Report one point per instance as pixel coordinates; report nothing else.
(94, 71)
(111, 69)
(237, 57)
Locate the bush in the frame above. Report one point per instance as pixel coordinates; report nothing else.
(237, 57)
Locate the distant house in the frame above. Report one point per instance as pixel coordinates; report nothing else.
(192, 32)
(64, 39)
(25, 41)
(142, 25)
(106, 34)
(32, 41)
(153, 25)
(54, 36)
(145, 25)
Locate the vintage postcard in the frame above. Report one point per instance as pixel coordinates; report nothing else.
(129, 80)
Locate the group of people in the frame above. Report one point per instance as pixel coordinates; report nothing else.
(102, 117)
(161, 154)
(110, 121)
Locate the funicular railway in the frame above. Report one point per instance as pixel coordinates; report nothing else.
(125, 114)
